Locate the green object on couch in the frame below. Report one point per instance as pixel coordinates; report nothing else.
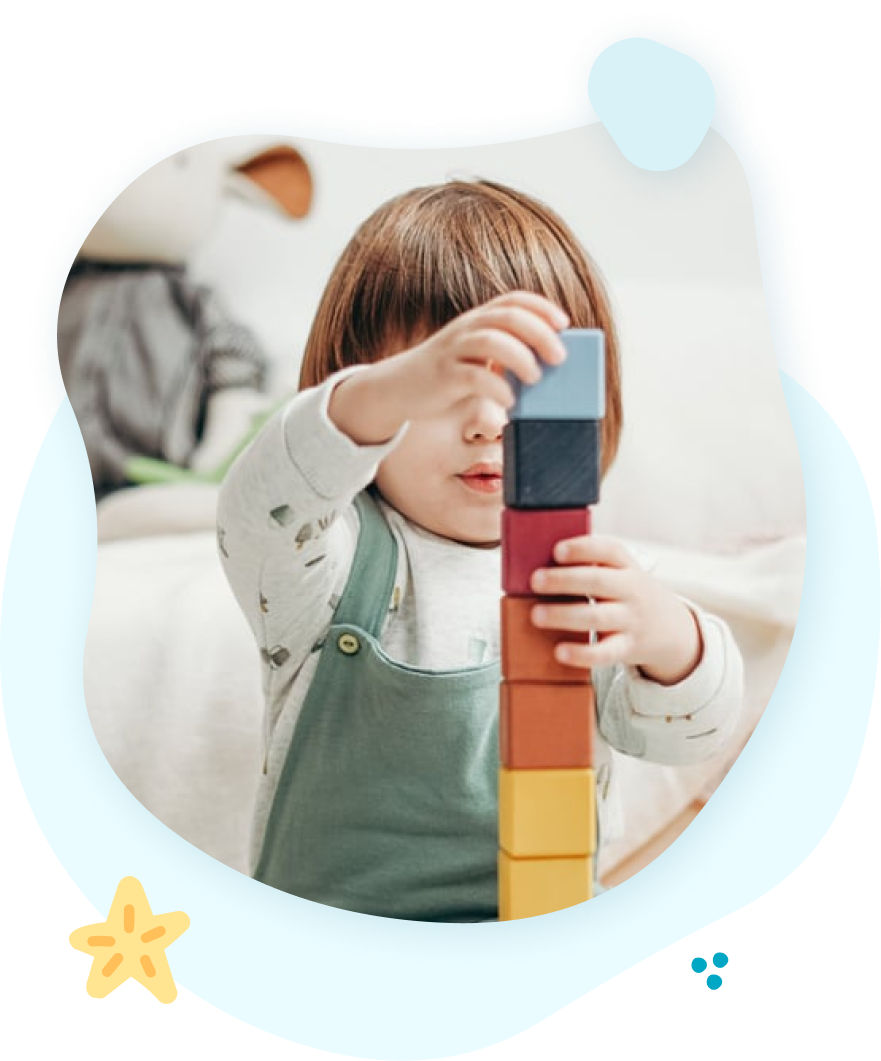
(143, 471)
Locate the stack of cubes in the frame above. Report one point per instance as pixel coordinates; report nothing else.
(547, 789)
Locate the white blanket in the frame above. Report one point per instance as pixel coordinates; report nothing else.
(172, 681)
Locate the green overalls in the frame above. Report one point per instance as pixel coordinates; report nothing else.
(387, 801)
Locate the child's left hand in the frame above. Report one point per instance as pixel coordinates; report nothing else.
(638, 621)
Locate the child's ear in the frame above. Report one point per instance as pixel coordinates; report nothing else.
(283, 174)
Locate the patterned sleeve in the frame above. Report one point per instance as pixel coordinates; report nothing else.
(675, 724)
(286, 526)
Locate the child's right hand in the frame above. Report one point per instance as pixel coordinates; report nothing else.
(451, 365)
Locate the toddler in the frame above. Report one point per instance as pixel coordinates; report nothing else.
(360, 534)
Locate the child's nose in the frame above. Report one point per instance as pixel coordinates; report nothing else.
(486, 422)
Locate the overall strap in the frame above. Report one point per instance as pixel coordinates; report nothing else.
(366, 598)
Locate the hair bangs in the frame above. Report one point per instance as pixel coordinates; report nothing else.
(431, 254)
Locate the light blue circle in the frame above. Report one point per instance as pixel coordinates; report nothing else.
(656, 103)
(720, 959)
(699, 964)
(379, 988)
(714, 982)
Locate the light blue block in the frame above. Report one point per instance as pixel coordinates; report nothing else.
(575, 390)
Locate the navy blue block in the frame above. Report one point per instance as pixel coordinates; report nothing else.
(551, 463)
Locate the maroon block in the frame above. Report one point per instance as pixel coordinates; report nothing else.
(528, 540)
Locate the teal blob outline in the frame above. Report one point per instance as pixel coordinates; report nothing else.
(736, 119)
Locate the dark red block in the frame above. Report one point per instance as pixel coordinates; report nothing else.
(528, 540)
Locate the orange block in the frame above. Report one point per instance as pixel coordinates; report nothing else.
(528, 650)
(546, 725)
(547, 813)
(529, 887)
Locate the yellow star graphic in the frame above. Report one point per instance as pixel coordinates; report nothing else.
(131, 942)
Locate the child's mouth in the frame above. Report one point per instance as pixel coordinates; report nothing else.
(483, 480)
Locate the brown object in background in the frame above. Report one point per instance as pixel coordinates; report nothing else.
(283, 173)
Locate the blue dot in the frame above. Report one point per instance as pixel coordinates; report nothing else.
(714, 982)
(698, 965)
(720, 960)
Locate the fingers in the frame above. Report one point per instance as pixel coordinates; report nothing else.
(514, 332)
(478, 379)
(483, 345)
(603, 653)
(553, 314)
(531, 329)
(602, 616)
(606, 583)
(593, 549)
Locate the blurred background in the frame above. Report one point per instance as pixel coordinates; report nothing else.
(184, 319)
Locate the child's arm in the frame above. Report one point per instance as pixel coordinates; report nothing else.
(668, 676)
(279, 503)
(675, 724)
(286, 528)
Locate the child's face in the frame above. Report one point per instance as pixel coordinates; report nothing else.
(446, 473)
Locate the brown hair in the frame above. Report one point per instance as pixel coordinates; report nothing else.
(427, 256)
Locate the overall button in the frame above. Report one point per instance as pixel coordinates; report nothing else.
(348, 643)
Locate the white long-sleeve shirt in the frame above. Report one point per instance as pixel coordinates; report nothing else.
(287, 532)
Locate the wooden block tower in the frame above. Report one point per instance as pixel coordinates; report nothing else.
(547, 788)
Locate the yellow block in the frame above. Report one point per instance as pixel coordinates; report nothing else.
(532, 886)
(546, 813)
